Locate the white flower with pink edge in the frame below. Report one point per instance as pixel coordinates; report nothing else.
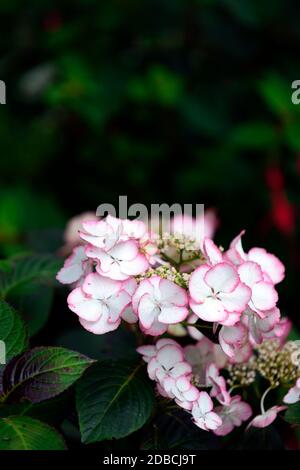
(120, 262)
(217, 384)
(272, 268)
(203, 415)
(233, 415)
(103, 233)
(264, 296)
(217, 292)
(235, 343)
(75, 267)
(99, 303)
(158, 303)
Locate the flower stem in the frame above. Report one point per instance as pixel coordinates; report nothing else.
(194, 325)
(233, 388)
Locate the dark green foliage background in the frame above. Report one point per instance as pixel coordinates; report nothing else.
(164, 101)
(183, 101)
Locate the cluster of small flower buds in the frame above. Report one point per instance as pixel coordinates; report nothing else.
(179, 249)
(167, 272)
(242, 374)
(181, 284)
(279, 364)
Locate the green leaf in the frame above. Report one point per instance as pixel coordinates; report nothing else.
(115, 345)
(24, 433)
(12, 331)
(113, 401)
(5, 265)
(260, 439)
(174, 430)
(52, 411)
(294, 334)
(292, 414)
(42, 373)
(27, 269)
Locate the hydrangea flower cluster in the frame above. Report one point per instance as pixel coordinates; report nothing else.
(176, 285)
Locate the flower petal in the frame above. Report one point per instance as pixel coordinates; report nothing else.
(222, 278)
(205, 402)
(210, 310)
(269, 263)
(147, 311)
(70, 274)
(212, 252)
(148, 351)
(181, 369)
(129, 316)
(85, 307)
(264, 296)
(236, 253)
(157, 328)
(125, 251)
(250, 273)
(212, 420)
(198, 288)
(172, 315)
(73, 267)
(169, 355)
(117, 304)
(237, 300)
(171, 293)
(136, 266)
(264, 420)
(100, 287)
(144, 287)
(99, 327)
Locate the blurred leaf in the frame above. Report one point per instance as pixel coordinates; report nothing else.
(261, 439)
(208, 170)
(117, 344)
(21, 210)
(27, 269)
(30, 145)
(292, 135)
(246, 11)
(113, 401)
(5, 265)
(12, 331)
(24, 433)
(34, 302)
(175, 431)
(51, 411)
(41, 373)
(44, 240)
(277, 93)
(254, 135)
(204, 116)
(159, 85)
(292, 414)
(294, 334)
(81, 89)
